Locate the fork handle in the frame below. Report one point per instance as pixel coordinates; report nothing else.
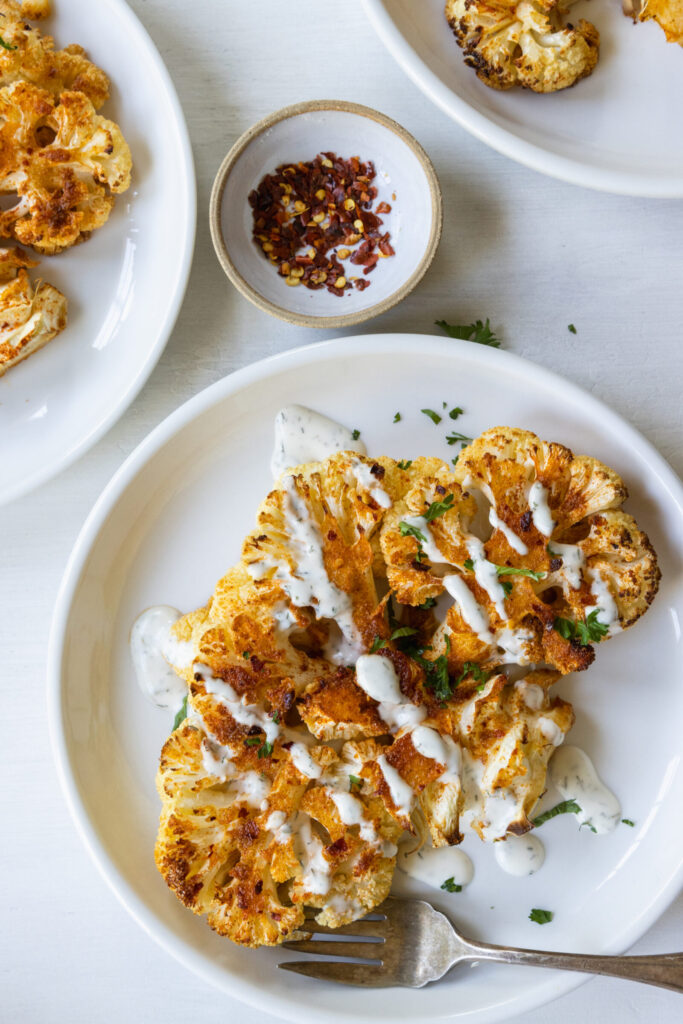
(664, 970)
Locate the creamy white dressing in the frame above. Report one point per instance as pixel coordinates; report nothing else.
(401, 793)
(574, 775)
(155, 652)
(366, 480)
(249, 715)
(352, 812)
(472, 612)
(511, 537)
(532, 694)
(513, 643)
(495, 810)
(428, 545)
(275, 821)
(303, 762)
(377, 677)
(520, 855)
(486, 575)
(540, 510)
(606, 606)
(302, 435)
(437, 747)
(573, 561)
(308, 850)
(434, 866)
(550, 730)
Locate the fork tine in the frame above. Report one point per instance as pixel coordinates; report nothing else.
(364, 950)
(375, 929)
(364, 975)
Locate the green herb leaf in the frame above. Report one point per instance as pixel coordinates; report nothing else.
(588, 825)
(627, 821)
(355, 434)
(403, 631)
(455, 460)
(469, 564)
(426, 605)
(246, 655)
(565, 627)
(6, 46)
(439, 508)
(275, 717)
(265, 750)
(454, 413)
(434, 416)
(477, 332)
(589, 632)
(454, 438)
(541, 916)
(404, 464)
(470, 668)
(407, 530)
(570, 327)
(354, 781)
(510, 570)
(252, 741)
(450, 885)
(377, 644)
(397, 417)
(565, 807)
(181, 714)
(507, 587)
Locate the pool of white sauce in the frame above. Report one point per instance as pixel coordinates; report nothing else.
(302, 435)
(434, 866)
(520, 855)
(154, 651)
(574, 775)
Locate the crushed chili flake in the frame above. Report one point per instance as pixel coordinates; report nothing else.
(305, 210)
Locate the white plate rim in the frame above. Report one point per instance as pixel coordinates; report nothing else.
(187, 221)
(574, 172)
(377, 344)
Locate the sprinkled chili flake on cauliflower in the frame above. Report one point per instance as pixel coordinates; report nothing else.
(308, 217)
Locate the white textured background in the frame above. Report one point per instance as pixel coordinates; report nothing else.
(531, 253)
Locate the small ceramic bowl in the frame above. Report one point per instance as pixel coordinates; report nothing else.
(405, 179)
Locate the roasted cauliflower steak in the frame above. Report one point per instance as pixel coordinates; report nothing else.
(30, 314)
(523, 42)
(336, 708)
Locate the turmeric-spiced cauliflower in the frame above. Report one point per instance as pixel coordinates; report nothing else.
(331, 711)
(667, 13)
(30, 314)
(523, 42)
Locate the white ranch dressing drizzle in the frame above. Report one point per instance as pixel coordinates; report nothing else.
(495, 810)
(434, 865)
(573, 561)
(377, 677)
(472, 612)
(606, 606)
(246, 714)
(401, 793)
(428, 545)
(486, 575)
(302, 435)
(540, 510)
(308, 849)
(550, 731)
(437, 747)
(513, 643)
(303, 761)
(574, 775)
(352, 812)
(519, 855)
(532, 694)
(155, 652)
(511, 537)
(366, 480)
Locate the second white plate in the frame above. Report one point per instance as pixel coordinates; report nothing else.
(171, 522)
(616, 130)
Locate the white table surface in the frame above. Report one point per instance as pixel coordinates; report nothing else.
(531, 253)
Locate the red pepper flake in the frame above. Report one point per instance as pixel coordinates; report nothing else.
(304, 210)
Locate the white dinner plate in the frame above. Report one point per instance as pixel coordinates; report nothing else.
(616, 130)
(169, 525)
(125, 284)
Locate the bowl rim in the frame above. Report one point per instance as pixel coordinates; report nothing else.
(273, 308)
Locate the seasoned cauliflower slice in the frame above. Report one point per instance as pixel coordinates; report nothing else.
(64, 162)
(29, 316)
(667, 13)
(30, 56)
(523, 43)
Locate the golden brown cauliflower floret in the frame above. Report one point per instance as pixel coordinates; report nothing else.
(29, 316)
(523, 43)
(667, 13)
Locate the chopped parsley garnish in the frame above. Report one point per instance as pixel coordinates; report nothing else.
(434, 416)
(476, 671)
(589, 632)
(252, 741)
(355, 434)
(541, 916)
(426, 605)
(508, 570)
(477, 332)
(6, 46)
(407, 530)
(588, 825)
(439, 508)
(565, 807)
(507, 587)
(181, 714)
(571, 328)
(627, 821)
(377, 644)
(354, 781)
(404, 463)
(397, 417)
(454, 413)
(265, 750)
(450, 885)
(246, 655)
(454, 438)
(403, 631)
(455, 460)
(275, 717)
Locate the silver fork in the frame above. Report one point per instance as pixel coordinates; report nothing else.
(409, 943)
